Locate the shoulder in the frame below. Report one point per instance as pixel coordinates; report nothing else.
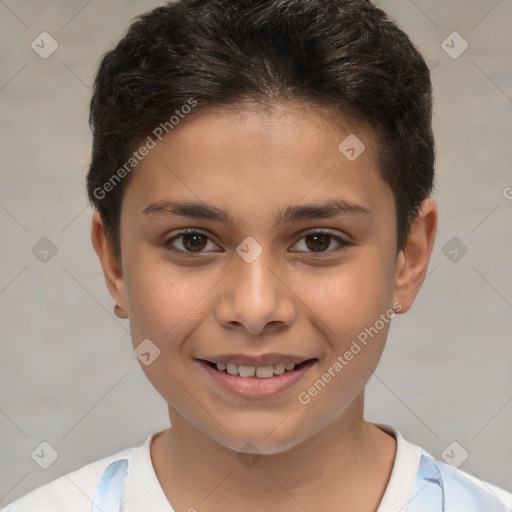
(419, 482)
(457, 489)
(73, 492)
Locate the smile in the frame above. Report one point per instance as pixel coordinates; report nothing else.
(261, 372)
(257, 382)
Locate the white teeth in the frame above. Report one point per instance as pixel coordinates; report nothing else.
(232, 369)
(262, 372)
(279, 368)
(247, 371)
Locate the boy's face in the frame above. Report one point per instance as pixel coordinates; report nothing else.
(214, 296)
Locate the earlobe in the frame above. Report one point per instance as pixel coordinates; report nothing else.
(120, 312)
(413, 259)
(110, 264)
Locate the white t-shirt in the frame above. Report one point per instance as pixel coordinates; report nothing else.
(142, 491)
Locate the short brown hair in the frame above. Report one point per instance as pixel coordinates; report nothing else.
(346, 55)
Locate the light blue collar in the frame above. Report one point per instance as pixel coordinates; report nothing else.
(442, 488)
(109, 492)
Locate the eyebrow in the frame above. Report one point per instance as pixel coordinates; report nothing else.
(293, 213)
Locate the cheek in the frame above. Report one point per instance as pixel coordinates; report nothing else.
(161, 310)
(345, 372)
(351, 297)
(153, 299)
(354, 313)
(165, 301)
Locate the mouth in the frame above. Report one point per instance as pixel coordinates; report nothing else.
(256, 377)
(266, 371)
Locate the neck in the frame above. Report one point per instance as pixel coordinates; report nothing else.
(348, 462)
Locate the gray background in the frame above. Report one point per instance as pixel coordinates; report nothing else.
(67, 372)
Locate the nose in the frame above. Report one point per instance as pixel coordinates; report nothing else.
(255, 297)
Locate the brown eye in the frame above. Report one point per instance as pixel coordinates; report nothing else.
(192, 242)
(320, 241)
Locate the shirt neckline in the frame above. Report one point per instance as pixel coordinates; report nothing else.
(147, 492)
(149, 495)
(403, 475)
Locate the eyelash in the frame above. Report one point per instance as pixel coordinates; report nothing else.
(344, 244)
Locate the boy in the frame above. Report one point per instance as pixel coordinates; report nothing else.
(261, 174)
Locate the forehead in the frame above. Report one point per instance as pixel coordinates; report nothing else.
(253, 160)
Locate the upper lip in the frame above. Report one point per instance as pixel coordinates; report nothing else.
(261, 360)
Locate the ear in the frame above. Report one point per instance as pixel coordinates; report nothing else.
(111, 266)
(413, 259)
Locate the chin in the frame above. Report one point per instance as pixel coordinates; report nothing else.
(254, 438)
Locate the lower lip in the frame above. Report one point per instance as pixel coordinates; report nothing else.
(255, 387)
